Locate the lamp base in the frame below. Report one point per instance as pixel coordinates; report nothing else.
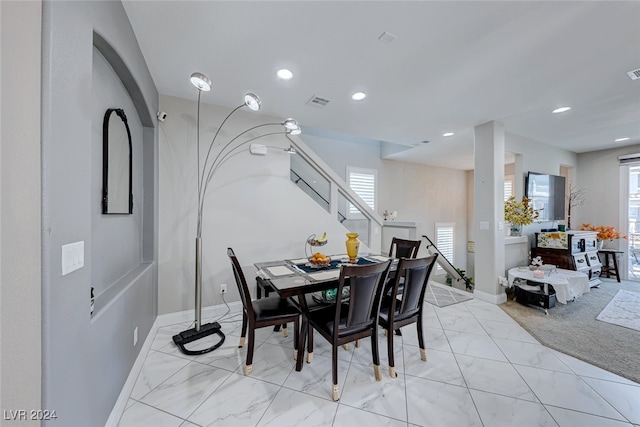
(192, 334)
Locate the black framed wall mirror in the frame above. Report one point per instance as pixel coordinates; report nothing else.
(117, 164)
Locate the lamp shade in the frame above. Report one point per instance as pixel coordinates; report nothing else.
(290, 124)
(252, 101)
(201, 81)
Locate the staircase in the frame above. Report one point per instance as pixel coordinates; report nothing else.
(315, 178)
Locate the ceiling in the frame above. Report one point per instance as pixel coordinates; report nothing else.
(453, 65)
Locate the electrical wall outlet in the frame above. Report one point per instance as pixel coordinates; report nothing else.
(135, 336)
(223, 288)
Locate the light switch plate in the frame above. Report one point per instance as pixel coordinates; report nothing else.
(484, 225)
(72, 257)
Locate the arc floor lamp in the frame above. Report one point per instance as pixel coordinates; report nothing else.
(217, 155)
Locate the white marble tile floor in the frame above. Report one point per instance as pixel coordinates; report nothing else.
(482, 369)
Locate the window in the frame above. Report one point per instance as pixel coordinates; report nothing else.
(445, 236)
(508, 186)
(363, 183)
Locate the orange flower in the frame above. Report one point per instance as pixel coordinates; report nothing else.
(605, 232)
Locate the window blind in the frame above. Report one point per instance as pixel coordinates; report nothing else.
(363, 183)
(508, 187)
(445, 237)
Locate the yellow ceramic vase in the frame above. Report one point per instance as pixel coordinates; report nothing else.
(352, 246)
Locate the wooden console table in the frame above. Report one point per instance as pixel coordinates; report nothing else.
(609, 268)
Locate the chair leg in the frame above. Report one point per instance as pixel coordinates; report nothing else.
(357, 343)
(248, 365)
(309, 344)
(392, 364)
(284, 330)
(296, 337)
(243, 334)
(423, 354)
(375, 355)
(335, 393)
(346, 346)
(334, 373)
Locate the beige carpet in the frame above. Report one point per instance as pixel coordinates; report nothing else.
(574, 330)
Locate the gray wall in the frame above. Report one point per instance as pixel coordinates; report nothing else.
(123, 232)
(87, 360)
(20, 351)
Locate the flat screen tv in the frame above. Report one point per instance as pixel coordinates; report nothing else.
(547, 195)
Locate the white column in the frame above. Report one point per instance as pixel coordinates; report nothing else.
(489, 212)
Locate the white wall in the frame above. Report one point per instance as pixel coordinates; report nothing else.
(599, 173)
(20, 352)
(251, 206)
(542, 158)
(420, 193)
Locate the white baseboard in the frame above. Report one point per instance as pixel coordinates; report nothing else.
(189, 315)
(161, 321)
(447, 287)
(487, 297)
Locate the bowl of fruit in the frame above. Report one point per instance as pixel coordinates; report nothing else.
(317, 241)
(319, 260)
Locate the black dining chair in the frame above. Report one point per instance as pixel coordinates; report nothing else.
(261, 313)
(401, 248)
(266, 286)
(351, 320)
(395, 312)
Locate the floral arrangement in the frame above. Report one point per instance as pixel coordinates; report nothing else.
(605, 232)
(519, 213)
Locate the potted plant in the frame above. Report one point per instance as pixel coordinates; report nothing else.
(518, 214)
(605, 232)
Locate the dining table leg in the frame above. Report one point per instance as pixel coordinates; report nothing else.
(302, 336)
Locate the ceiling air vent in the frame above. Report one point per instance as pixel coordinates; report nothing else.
(387, 37)
(634, 74)
(318, 101)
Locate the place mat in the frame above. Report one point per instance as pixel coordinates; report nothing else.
(325, 275)
(333, 265)
(279, 270)
(379, 258)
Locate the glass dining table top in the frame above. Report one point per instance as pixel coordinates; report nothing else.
(297, 276)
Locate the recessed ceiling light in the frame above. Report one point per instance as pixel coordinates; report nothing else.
(447, 134)
(284, 74)
(358, 96)
(561, 110)
(621, 139)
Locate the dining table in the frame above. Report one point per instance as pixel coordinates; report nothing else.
(297, 278)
